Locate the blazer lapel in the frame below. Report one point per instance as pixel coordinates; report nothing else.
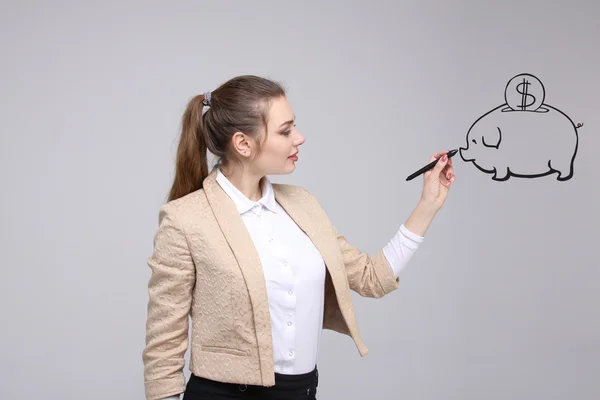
(236, 234)
(311, 224)
(310, 217)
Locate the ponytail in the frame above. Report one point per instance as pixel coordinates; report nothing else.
(191, 166)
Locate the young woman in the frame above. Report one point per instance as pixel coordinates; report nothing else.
(258, 266)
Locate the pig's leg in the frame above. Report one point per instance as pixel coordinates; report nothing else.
(501, 174)
(564, 169)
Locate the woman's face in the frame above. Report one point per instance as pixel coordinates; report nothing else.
(282, 141)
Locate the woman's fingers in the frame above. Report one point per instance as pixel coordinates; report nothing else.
(437, 155)
(448, 174)
(441, 164)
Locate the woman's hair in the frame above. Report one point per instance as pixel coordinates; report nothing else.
(239, 105)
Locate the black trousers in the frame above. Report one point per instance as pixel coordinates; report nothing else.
(288, 387)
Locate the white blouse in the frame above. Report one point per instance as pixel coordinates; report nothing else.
(295, 275)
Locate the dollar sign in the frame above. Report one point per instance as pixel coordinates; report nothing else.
(522, 89)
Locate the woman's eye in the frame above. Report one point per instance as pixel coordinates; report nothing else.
(288, 132)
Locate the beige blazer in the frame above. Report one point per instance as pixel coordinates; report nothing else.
(204, 264)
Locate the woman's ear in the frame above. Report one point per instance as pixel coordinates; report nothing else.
(240, 143)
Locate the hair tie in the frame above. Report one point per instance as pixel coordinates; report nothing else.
(206, 100)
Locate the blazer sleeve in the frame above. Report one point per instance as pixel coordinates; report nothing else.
(170, 297)
(369, 276)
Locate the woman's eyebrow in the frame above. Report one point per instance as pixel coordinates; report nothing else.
(288, 122)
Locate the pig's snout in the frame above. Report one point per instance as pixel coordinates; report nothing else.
(463, 151)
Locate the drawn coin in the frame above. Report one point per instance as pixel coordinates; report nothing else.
(524, 92)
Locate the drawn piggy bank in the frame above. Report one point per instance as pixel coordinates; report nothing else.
(526, 144)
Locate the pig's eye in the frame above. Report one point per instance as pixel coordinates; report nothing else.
(474, 141)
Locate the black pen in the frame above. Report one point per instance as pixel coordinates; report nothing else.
(430, 165)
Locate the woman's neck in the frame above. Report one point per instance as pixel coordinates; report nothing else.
(250, 185)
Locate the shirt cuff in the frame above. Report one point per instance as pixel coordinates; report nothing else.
(412, 236)
(401, 248)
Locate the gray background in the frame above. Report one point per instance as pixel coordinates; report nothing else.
(501, 301)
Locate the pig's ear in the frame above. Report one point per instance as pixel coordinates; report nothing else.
(492, 139)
